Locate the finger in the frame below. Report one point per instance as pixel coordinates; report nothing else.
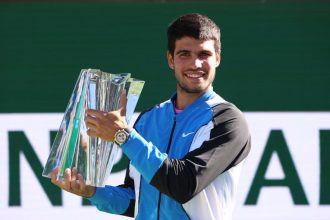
(74, 174)
(91, 125)
(67, 179)
(123, 103)
(54, 173)
(58, 183)
(94, 113)
(73, 181)
(81, 182)
(91, 133)
(54, 180)
(91, 120)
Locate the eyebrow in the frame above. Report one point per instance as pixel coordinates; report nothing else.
(182, 51)
(188, 51)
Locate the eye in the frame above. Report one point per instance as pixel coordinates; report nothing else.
(184, 54)
(205, 55)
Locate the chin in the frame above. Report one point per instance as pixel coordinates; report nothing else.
(193, 90)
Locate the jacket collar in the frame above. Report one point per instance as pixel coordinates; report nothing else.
(195, 105)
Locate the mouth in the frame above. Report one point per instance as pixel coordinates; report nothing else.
(195, 74)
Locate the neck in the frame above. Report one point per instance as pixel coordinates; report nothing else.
(184, 99)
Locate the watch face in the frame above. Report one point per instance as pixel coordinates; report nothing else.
(121, 137)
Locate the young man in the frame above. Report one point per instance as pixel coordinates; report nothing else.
(185, 153)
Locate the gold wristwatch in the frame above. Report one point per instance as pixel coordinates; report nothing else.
(122, 136)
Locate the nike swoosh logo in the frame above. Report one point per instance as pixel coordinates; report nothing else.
(187, 134)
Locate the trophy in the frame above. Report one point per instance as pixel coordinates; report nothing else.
(72, 147)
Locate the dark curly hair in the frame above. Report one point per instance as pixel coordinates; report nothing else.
(193, 25)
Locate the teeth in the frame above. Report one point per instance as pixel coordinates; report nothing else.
(194, 75)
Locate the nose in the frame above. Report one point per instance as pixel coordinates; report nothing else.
(197, 63)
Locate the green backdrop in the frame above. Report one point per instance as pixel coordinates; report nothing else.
(275, 56)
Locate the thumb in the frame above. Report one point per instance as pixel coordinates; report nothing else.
(123, 103)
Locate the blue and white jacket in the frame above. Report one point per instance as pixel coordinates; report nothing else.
(182, 166)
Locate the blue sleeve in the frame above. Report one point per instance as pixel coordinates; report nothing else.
(115, 200)
(144, 156)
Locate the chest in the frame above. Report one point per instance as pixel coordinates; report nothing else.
(173, 135)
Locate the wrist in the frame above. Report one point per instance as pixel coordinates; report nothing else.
(91, 191)
(122, 135)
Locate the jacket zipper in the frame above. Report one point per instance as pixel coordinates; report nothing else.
(167, 150)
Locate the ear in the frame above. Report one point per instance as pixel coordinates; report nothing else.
(170, 60)
(218, 58)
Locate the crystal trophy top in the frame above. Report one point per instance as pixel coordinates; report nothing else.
(72, 147)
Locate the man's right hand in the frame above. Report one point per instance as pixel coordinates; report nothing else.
(73, 183)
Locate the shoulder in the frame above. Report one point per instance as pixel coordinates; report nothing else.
(154, 111)
(227, 117)
(227, 111)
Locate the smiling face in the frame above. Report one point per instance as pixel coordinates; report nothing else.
(194, 63)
